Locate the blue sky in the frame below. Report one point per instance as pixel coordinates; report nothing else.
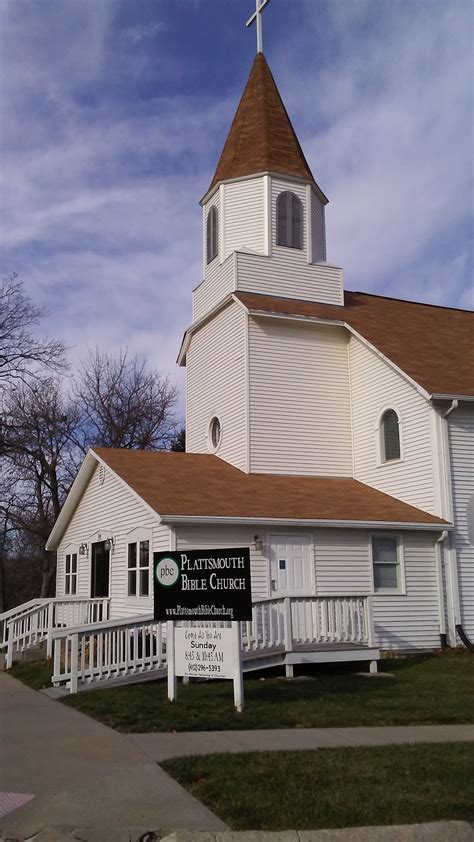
(113, 117)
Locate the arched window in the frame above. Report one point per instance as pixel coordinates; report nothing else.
(289, 221)
(212, 234)
(389, 436)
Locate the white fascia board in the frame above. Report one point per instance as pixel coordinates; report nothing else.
(424, 394)
(453, 397)
(281, 175)
(77, 490)
(337, 524)
(181, 360)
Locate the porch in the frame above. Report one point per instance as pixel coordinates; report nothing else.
(91, 651)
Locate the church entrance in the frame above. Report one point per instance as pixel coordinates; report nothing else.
(291, 565)
(100, 569)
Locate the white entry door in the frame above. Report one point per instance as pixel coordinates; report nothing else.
(291, 565)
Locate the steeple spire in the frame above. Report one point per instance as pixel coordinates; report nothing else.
(261, 137)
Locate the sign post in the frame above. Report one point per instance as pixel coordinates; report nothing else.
(200, 586)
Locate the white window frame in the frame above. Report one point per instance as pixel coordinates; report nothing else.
(70, 576)
(289, 225)
(137, 536)
(379, 444)
(210, 445)
(212, 244)
(400, 590)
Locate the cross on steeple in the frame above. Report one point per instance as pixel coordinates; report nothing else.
(257, 16)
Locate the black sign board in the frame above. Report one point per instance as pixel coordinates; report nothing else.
(202, 585)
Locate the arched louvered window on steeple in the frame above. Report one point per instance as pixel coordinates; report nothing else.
(390, 436)
(212, 244)
(289, 211)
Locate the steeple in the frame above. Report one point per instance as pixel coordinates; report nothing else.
(261, 137)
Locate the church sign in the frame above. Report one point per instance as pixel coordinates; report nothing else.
(200, 585)
(204, 653)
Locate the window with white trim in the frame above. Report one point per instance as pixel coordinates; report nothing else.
(289, 212)
(390, 436)
(386, 560)
(138, 571)
(70, 575)
(212, 234)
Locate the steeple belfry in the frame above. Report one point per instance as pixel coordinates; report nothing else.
(261, 137)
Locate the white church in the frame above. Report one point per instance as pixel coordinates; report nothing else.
(331, 432)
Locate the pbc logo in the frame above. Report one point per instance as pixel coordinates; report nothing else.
(167, 572)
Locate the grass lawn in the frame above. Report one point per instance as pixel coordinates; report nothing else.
(333, 787)
(36, 674)
(436, 689)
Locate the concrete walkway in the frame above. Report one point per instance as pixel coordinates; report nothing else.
(83, 774)
(160, 747)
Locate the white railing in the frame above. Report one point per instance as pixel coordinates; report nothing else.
(289, 621)
(12, 614)
(33, 625)
(118, 649)
(110, 650)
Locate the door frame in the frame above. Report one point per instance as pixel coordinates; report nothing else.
(93, 544)
(312, 555)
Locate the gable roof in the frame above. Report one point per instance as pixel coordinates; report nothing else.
(261, 137)
(432, 345)
(193, 485)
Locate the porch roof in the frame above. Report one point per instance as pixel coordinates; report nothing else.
(191, 485)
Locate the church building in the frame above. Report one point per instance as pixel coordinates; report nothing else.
(332, 432)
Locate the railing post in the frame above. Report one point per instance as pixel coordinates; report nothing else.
(49, 641)
(238, 676)
(9, 647)
(288, 630)
(74, 659)
(370, 622)
(57, 658)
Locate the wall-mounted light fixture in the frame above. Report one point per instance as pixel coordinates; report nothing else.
(109, 545)
(258, 543)
(83, 549)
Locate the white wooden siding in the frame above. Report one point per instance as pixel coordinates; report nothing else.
(461, 445)
(244, 216)
(287, 274)
(299, 399)
(318, 229)
(113, 510)
(216, 385)
(374, 387)
(411, 621)
(342, 562)
(211, 537)
(219, 283)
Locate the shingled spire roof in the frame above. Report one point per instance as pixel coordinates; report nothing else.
(261, 137)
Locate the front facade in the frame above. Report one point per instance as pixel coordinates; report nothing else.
(331, 432)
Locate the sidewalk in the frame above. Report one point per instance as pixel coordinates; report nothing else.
(83, 774)
(161, 747)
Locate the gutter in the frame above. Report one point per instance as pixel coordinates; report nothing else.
(454, 405)
(348, 524)
(439, 581)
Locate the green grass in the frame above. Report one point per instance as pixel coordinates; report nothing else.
(36, 674)
(424, 691)
(342, 787)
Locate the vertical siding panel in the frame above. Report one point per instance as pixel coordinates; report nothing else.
(461, 446)
(299, 399)
(375, 386)
(216, 385)
(244, 216)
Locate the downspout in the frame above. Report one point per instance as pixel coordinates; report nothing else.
(457, 618)
(439, 580)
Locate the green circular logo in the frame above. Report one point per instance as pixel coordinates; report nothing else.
(167, 572)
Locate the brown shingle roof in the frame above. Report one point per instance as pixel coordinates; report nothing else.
(202, 485)
(433, 345)
(261, 136)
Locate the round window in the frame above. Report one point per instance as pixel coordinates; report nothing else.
(215, 433)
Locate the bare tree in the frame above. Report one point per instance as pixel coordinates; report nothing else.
(22, 354)
(178, 444)
(40, 461)
(124, 403)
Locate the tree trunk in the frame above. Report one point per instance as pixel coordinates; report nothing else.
(49, 571)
